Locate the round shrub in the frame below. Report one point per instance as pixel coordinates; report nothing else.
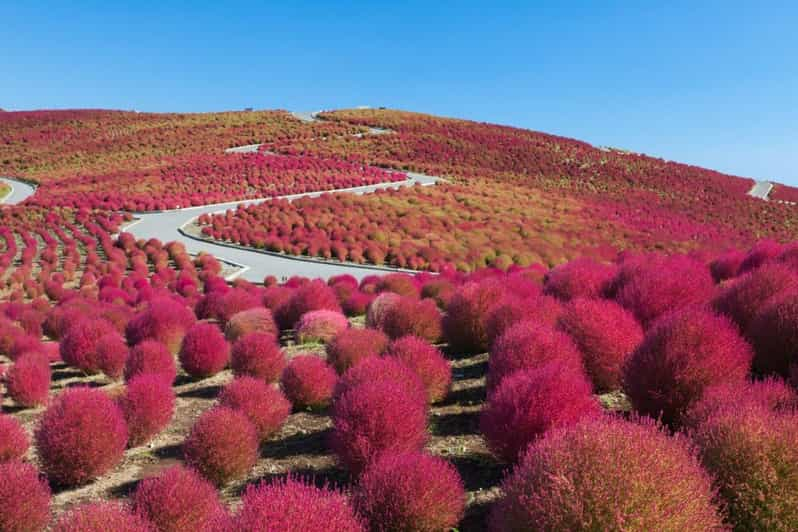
(664, 284)
(101, 517)
(427, 362)
(112, 353)
(464, 324)
(308, 382)
(235, 301)
(258, 320)
(379, 306)
(376, 417)
(681, 356)
(264, 405)
(752, 453)
(772, 394)
(398, 283)
(165, 320)
(439, 290)
(726, 265)
(274, 296)
(150, 357)
(222, 445)
(528, 345)
(607, 474)
(760, 253)
(350, 346)
(26, 498)
(357, 304)
(413, 492)
(531, 402)
(257, 355)
(204, 352)
(80, 436)
(378, 369)
(320, 326)
(178, 500)
(774, 334)
(79, 345)
(578, 278)
(744, 298)
(606, 334)
(412, 316)
(290, 505)
(315, 295)
(510, 310)
(28, 380)
(148, 405)
(13, 439)
(23, 344)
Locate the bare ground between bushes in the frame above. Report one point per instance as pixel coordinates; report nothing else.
(300, 447)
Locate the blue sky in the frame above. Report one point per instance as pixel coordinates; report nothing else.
(710, 83)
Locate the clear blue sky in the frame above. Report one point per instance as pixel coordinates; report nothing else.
(713, 83)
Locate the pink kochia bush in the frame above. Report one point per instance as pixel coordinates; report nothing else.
(528, 345)
(249, 321)
(178, 500)
(376, 417)
(148, 405)
(28, 380)
(81, 436)
(379, 369)
(151, 357)
(774, 334)
(771, 394)
(222, 445)
(320, 326)
(350, 346)
(578, 278)
(308, 382)
(26, 498)
(112, 353)
(510, 310)
(607, 474)
(412, 316)
(413, 492)
(204, 352)
(427, 362)
(379, 307)
(258, 355)
(264, 405)
(79, 345)
(464, 325)
(531, 402)
(290, 505)
(101, 517)
(13, 439)
(683, 354)
(165, 320)
(315, 295)
(606, 334)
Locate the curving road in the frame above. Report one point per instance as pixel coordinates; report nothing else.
(20, 191)
(761, 190)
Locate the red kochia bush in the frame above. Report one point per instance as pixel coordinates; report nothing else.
(414, 492)
(746, 296)
(204, 352)
(258, 355)
(377, 369)
(13, 439)
(235, 301)
(320, 326)
(112, 353)
(378, 308)
(684, 353)
(151, 357)
(726, 265)
(427, 362)
(291, 505)
(606, 334)
(411, 316)
(528, 345)
(315, 295)
(101, 517)
(79, 345)
(774, 333)
(350, 346)
(249, 321)
(464, 325)
(28, 380)
(222, 445)
(398, 283)
(607, 474)
(80, 436)
(308, 382)
(578, 278)
(165, 320)
(531, 402)
(760, 253)
(178, 500)
(510, 309)
(26, 498)
(751, 452)
(264, 405)
(376, 417)
(772, 394)
(148, 405)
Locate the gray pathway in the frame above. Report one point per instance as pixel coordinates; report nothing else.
(761, 190)
(19, 191)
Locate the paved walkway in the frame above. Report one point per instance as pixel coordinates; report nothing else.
(761, 190)
(20, 191)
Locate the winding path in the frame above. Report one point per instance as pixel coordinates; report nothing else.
(20, 191)
(761, 190)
